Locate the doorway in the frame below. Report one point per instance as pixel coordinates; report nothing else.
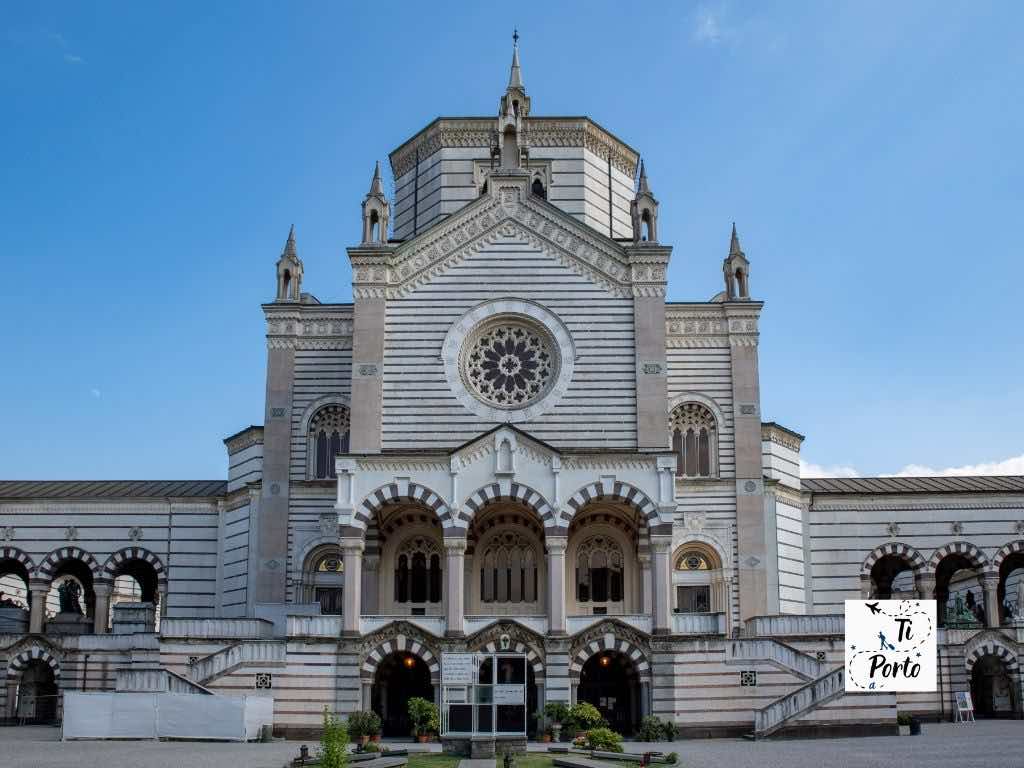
(400, 677)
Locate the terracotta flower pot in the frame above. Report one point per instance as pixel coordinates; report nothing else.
(422, 738)
(546, 738)
(375, 737)
(363, 740)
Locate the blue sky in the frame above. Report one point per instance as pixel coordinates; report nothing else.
(153, 157)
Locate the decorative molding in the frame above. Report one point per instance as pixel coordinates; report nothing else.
(904, 506)
(905, 552)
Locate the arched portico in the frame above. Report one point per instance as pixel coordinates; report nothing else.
(612, 672)
(880, 573)
(32, 680)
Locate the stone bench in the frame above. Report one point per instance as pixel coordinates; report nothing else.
(630, 757)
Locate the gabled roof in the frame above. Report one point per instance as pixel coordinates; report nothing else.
(950, 484)
(111, 489)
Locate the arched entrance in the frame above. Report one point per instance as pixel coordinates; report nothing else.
(36, 694)
(892, 578)
(610, 682)
(993, 688)
(399, 677)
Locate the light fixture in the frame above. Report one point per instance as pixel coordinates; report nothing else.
(409, 662)
(604, 661)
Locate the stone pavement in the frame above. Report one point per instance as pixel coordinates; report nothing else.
(986, 744)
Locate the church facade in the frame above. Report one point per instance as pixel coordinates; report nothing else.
(511, 440)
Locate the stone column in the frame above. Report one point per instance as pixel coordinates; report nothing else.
(646, 603)
(455, 573)
(38, 591)
(371, 586)
(556, 583)
(865, 586)
(660, 546)
(101, 612)
(352, 557)
(925, 586)
(990, 585)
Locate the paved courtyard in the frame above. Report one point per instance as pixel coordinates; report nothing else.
(991, 744)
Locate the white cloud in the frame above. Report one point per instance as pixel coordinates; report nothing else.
(1011, 466)
(808, 469)
(95, 393)
(72, 59)
(706, 28)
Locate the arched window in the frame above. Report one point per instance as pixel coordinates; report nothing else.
(698, 580)
(323, 579)
(538, 189)
(694, 441)
(508, 571)
(599, 571)
(328, 436)
(418, 571)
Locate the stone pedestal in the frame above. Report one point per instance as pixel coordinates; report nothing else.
(134, 618)
(69, 624)
(13, 620)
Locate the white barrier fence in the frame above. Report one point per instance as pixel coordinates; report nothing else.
(120, 715)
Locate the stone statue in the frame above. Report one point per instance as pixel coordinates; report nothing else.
(1018, 612)
(68, 593)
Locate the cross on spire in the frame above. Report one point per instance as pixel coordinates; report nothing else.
(515, 37)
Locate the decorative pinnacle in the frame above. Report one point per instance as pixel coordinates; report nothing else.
(734, 243)
(515, 78)
(289, 246)
(376, 187)
(644, 188)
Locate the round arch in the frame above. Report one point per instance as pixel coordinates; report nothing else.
(127, 555)
(518, 492)
(709, 545)
(395, 492)
(898, 549)
(965, 549)
(617, 491)
(25, 657)
(693, 397)
(609, 643)
(1004, 552)
(56, 557)
(991, 645)
(334, 398)
(18, 555)
(400, 644)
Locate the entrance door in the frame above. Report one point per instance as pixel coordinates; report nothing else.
(992, 689)
(400, 677)
(609, 681)
(37, 694)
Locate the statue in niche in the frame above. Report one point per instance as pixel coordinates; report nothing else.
(1018, 612)
(69, 593)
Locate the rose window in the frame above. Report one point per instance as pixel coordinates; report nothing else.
(509, 364)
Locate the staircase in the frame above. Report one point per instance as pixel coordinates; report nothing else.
(783, 710)
(263, 653)
(778, 654)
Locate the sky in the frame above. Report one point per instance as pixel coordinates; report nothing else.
(153, 157)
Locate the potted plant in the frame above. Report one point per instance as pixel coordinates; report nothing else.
(903, 720)
(371, 725)
(557, 713)
(584, 717)
(423, 715)
(356, 728)
(651, 729)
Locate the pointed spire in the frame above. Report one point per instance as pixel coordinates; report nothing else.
(376, 187)
(644, 188)
(734, 243)
(515, 77)
(289, 246)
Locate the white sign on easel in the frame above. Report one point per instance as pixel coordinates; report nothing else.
(964, 707)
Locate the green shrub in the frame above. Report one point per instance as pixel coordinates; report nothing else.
(333, 742)
(423, 715)
(371, 746)
(371, 723)
(604, 740)
(672, 758)
(356, 725)
(584, 716)
(902, 718)
(669, 730)
(650, 729)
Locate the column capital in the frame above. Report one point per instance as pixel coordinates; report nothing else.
(38, 585)
(644, 558)
(661, 543)
(556, 545)
(989, 580)
(455, 546)
(351, 545)
(102, 588)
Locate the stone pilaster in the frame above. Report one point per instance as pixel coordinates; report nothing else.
(352, 557)
(648, 263)
(101, 615)
(661, 577)
(37, 599)
(646, 584)
(751, 514)
(556, 546)
(369, 315)
(990, 585)
(455, 570)
(271, 514)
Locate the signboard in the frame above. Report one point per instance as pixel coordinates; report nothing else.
(458, 668)
(509, 694)
(964, 707)
(891, 646)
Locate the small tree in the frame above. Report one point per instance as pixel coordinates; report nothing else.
(423, 715)
(333, 742)
(585, 716)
